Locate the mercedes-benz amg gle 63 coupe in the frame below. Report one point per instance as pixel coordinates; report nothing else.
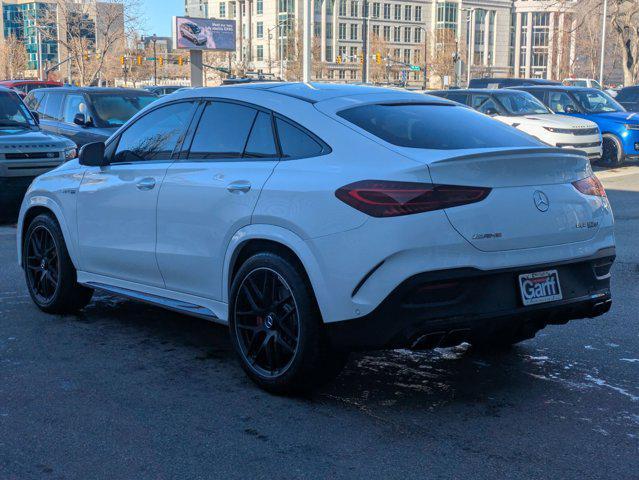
(318, 219)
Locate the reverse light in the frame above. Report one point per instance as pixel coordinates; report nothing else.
(381, 198)
(590, 186)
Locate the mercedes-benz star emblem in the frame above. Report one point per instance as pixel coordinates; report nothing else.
(541, 201)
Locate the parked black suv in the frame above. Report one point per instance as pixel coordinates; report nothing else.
(629, 98)
(508, 82)
(88, 114)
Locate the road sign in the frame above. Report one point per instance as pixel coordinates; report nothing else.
(415, 68)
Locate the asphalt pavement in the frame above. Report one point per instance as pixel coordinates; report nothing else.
(129, 391)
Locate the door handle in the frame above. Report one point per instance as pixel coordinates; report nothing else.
(241, 186)
(146, 184)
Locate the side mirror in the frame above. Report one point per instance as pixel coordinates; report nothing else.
(36, 117)
(92, 155)
(80, 119)
(490, 111)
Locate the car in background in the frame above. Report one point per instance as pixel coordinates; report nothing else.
(162, 90)
(191, 32)
(317, 219)
(619, 128)
(524, 112)
(582, 82)
(25, 150)
(88, 114)
(508, 82)
(23, 87)
(628, 98)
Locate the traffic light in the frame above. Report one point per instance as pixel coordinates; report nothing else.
(378, 58)
(86, 57)
(180, 61)
(161, 60)
(139, 59)
(361, 58)
(121, 59)
(339, 59)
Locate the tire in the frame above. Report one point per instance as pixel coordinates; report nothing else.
(276, 327)
(613, 154)
(49, 273)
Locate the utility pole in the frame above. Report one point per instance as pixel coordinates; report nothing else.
(306, 64)
(425, 81)
(154, 39)
(603, 41)
(471, 16)
(365, 45)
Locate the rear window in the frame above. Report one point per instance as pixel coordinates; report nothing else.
(438, 127)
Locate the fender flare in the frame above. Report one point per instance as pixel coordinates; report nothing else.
(288, 239)
(40, 200)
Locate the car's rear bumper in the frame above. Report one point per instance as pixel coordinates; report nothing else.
(448, 307)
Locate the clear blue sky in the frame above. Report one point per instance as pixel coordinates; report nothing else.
(157, 15)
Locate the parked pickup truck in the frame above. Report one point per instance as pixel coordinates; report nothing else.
(25, 150)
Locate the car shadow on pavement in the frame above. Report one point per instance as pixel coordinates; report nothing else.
(412, 380)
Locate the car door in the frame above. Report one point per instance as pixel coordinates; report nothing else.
(116, 211)
(211, 193)
(73, 104)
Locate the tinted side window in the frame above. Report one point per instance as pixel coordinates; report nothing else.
(261, 143)
(53, 107)
(295, 143)
(458, 97)
(478, 100)
(34, 101)
(155, 135)
(73, 104)
(558, 102)
(222, 131)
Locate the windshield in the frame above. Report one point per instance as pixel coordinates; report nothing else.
(429, 126)
(114, 109)
(593, 101)
(13, 113)
(521, 104)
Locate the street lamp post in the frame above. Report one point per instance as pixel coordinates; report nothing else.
(306, 59)
(279, 26)
(154, 39)
(470, 21)
(425, 80)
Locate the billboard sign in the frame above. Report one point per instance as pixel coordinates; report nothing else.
(204, 34)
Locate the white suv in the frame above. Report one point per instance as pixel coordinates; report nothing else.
(318, 219)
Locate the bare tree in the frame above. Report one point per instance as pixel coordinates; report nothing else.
(89, 33)
(379, 49)
(13, 58)
(442, 60)
(624, 17)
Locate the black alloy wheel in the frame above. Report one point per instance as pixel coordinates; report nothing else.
(612, 154)
(266, 322)
(49, 272)
(42, 264)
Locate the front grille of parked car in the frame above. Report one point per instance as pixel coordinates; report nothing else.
(586, 131)
(32, 156)
(579, 145)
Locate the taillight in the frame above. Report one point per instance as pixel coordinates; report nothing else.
(590, 186)
(380, 198)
